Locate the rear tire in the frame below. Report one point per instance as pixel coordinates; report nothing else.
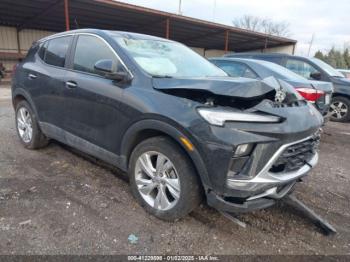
(339, 110)
(178, 185)
(27, 127)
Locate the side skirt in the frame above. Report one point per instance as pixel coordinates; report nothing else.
(87, 147)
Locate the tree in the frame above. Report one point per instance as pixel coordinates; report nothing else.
(335, 58)
(346, 56)
(340, 61)
(320, 55)
(263, 25)
(331, 58)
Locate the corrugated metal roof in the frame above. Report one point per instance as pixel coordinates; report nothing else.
(113, 15)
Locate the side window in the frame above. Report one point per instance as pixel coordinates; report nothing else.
(236, 69)
(54, 51)
(301, 68)
(250, 74)
(88, 51)
(42, 50)
(276, 60)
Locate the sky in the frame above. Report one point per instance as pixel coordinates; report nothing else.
(328, 21)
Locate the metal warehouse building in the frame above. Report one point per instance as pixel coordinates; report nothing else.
(24, 21)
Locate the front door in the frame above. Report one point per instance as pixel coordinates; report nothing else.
(92, 101)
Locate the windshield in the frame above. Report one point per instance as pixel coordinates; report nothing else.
(326, 67)
(283, 72)
(168, 59)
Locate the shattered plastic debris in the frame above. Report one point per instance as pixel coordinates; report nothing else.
(133, 239)
(25, 222)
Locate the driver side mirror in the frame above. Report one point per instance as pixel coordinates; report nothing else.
(316, 75)
(111, 70)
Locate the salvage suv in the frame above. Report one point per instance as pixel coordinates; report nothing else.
(178, 125)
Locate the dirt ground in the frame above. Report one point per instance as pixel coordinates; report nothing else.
(54, 201)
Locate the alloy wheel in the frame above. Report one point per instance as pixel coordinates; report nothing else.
(157, 180)
(24, 125)
(338, 109)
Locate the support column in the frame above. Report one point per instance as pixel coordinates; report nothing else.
(66, 14)
(167, 28)
(18, 41)
(265, 46)
(227, 34)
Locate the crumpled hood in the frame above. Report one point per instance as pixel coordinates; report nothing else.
(242, 88)
(235, 87)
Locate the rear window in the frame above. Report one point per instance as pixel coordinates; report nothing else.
(234, 69)
(276, 60)
(54, 51)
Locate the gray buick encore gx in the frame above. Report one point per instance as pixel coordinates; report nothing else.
(178, 125)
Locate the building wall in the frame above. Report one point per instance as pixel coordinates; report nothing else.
(9, 43)
(28, 36)
(8, 39)
(198, 50)
(217, 53)
(214, 53)
(280, 49)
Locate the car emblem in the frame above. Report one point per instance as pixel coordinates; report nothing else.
(280, 95)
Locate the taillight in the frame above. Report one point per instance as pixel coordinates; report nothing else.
(310, 94)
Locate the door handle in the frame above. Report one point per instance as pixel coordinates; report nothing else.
(71, 84)
(32, 76)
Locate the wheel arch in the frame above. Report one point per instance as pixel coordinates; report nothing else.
(19, 94)
(145, 129)
(341, 95)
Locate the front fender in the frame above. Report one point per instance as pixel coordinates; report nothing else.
(163, 127)
(341, 90)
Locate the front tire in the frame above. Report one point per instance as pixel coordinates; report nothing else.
(27, 127)
(163, 179)
(339, 110)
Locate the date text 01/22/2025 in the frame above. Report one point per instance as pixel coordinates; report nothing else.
(173, 258)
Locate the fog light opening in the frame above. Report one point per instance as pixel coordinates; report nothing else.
(243, 150)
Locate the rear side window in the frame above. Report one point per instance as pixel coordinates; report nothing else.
(88, 51)
(236, 69)
(54, 51)
(276, 60)
(42, 50)
(301, 68)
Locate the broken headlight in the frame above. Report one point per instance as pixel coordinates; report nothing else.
(218, 117)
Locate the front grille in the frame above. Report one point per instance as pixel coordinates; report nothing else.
(297, 155)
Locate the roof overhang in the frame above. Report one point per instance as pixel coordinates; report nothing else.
(107, 14)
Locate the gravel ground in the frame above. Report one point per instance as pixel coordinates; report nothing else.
(54, 201)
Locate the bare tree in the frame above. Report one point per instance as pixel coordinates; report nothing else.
(264, 25)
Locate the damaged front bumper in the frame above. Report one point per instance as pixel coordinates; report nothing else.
(265, 176)
(243, 136)
(264, 189)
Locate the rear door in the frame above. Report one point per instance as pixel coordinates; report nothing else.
(92, 101)
(49, 80)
